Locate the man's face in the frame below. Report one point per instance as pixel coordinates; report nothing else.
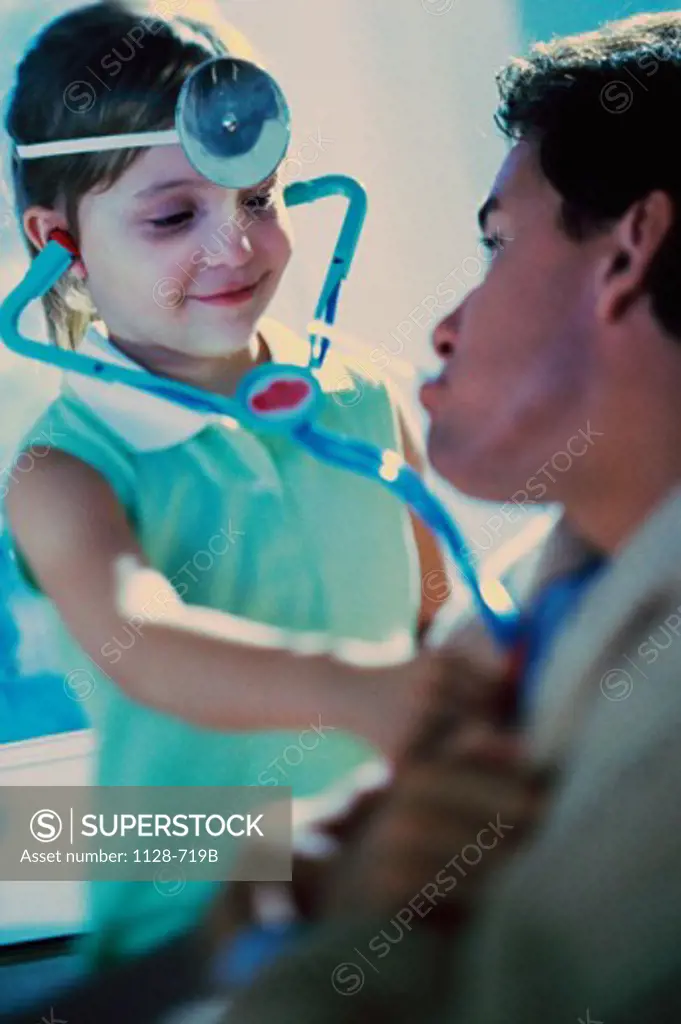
(518, 351)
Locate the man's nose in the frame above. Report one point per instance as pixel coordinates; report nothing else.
(445, 334)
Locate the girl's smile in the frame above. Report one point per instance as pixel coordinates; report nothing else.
(233, 295)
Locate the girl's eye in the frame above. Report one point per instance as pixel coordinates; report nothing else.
(174, 220)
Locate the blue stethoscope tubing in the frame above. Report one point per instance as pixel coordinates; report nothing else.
(349, 453)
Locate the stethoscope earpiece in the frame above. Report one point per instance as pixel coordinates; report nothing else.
(65, 239)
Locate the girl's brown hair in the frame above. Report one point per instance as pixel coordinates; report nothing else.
(101, 69)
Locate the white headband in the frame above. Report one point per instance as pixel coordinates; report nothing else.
(97, 143)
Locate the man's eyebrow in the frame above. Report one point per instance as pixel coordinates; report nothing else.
(490, 204)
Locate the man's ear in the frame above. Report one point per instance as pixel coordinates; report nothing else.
(632, 245)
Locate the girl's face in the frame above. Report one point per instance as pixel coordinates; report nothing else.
(175, 261)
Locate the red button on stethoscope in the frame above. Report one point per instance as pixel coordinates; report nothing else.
(280, 395)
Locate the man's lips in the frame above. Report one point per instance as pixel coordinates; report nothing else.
(431, 391)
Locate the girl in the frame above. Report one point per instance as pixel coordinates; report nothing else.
(157, 532)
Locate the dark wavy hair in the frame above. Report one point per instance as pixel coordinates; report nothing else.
(602, 108)
(97, 70)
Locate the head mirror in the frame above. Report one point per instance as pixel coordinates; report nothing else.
(231, 119)
(233, 122)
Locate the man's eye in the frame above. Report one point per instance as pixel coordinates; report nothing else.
(492, 243)
(174, 220)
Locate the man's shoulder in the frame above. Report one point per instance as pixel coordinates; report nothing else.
(618, 647)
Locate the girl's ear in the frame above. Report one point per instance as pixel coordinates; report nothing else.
(39, 222)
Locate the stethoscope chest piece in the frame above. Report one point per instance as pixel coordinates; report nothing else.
(278, 398)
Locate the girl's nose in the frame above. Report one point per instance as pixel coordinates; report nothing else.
(231, 247)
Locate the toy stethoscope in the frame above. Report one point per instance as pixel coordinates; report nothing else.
(233, 124)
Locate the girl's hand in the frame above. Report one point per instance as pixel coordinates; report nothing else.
(414, 707)
(446, 825)
(392, 702)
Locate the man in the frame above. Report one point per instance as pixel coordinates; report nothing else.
(561, 382)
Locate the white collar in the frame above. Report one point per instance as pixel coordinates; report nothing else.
(149, 423)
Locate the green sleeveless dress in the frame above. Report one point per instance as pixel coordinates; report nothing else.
(252, 525)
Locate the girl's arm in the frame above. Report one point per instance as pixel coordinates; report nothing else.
(195, 663)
